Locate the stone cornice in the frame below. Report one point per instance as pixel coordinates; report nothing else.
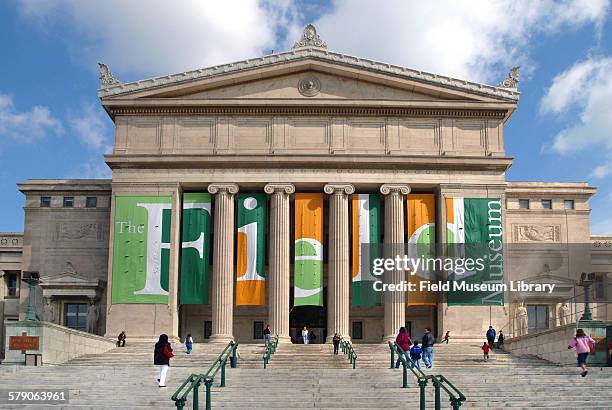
(338, 188)
(403, 189)
(304, 110)
(276, 187)
(313, 53)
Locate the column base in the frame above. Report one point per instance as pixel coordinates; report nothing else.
(284, 340)
(388, 338)
(220, 339)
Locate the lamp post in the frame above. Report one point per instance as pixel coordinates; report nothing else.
(586, 280)
(32, 278)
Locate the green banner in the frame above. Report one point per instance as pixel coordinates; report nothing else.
(476, 229)
(367, 238)
(308, 277)
(195, 249)
(250, 272)
(141, 249)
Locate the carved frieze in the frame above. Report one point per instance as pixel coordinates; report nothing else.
(537, 233)
(73, 231)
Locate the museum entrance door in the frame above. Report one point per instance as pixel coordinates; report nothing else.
(313, 317)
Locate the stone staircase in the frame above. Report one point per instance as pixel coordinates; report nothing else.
(309, 376)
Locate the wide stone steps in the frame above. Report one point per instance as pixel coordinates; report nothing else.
(310, 376)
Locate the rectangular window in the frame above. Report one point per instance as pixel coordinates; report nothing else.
(599, 287)
(408, 326)
(568, 204)
(258, 329)
(357, 332)
(547, 203)
(207, 329)
(523, 203)
(11, 284)
(76, 316)
(68, 201)
(45, 202)
(537, 318)
(91, 202)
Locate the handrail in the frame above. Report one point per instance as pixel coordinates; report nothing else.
(347, 348)
(195, 380)
(270, 350)
(456, 397)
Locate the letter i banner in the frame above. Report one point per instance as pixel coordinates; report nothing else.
(250, 281)
(308, 280)
(367, 235)
(421, 228)
(475, 241)
(195, 249)
(141, 249)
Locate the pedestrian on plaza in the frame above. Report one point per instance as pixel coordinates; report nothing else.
(161, 357)
(491, 333)
(485, 349)
(267, 333)
(583, 345)
(500, 340)
(121, 339)
(446, 337)
(427, 345)
(336, 341)
(402, 340)
(188, 343)
(415, 355)
(305, 335)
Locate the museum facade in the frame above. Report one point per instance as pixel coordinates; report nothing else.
(246, 193)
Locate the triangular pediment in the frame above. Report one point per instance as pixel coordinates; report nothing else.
(308, 75)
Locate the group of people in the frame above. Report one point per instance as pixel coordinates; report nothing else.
(308, 336)
(490, 343)
(412, 352)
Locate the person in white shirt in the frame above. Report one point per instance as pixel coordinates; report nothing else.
(305, 335)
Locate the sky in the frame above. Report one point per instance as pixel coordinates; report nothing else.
(52, 125)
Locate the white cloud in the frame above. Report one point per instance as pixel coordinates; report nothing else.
(585, 88)
(475, 40)
(26, 126)
(92, 127)
(94, 168)
(160, 37)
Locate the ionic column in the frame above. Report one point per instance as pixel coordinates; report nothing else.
(395, 302)
(279, 265)
(338, 278)
(223, 263)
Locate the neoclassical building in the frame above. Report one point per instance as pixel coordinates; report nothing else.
(246, 193)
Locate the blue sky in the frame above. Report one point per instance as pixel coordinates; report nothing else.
(52, 126)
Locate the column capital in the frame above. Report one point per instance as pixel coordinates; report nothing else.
(223, 187)
(279, 187)
(403, 189)
(338, 188)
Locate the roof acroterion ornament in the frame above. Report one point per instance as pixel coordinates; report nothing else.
(310, 38)
(106, 77)
(512, 81)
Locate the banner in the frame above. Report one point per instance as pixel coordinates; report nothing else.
(367, 235)
(308, 280)
(474, 233)
(195, 249)
(421, 228)
(141, 249)
(250, 274)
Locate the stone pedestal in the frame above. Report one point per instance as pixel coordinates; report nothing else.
(223, 263)
(395, 302)
(338, 278)
(279, 264)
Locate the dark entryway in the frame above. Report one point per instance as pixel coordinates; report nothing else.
(313, 317)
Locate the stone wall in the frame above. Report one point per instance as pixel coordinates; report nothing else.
(549, 345)
(58, 344)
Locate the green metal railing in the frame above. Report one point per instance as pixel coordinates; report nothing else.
(347, 349)
(270, 350)
(194, 381)
(439, 382)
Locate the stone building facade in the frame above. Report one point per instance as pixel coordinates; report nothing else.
(304, 121)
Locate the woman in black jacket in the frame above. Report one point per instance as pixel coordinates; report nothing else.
(161, 357)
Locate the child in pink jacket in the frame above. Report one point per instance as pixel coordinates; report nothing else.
(583, 345)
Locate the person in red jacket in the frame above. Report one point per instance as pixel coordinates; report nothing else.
(161, 357)
(403, 341)
(485, 349)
